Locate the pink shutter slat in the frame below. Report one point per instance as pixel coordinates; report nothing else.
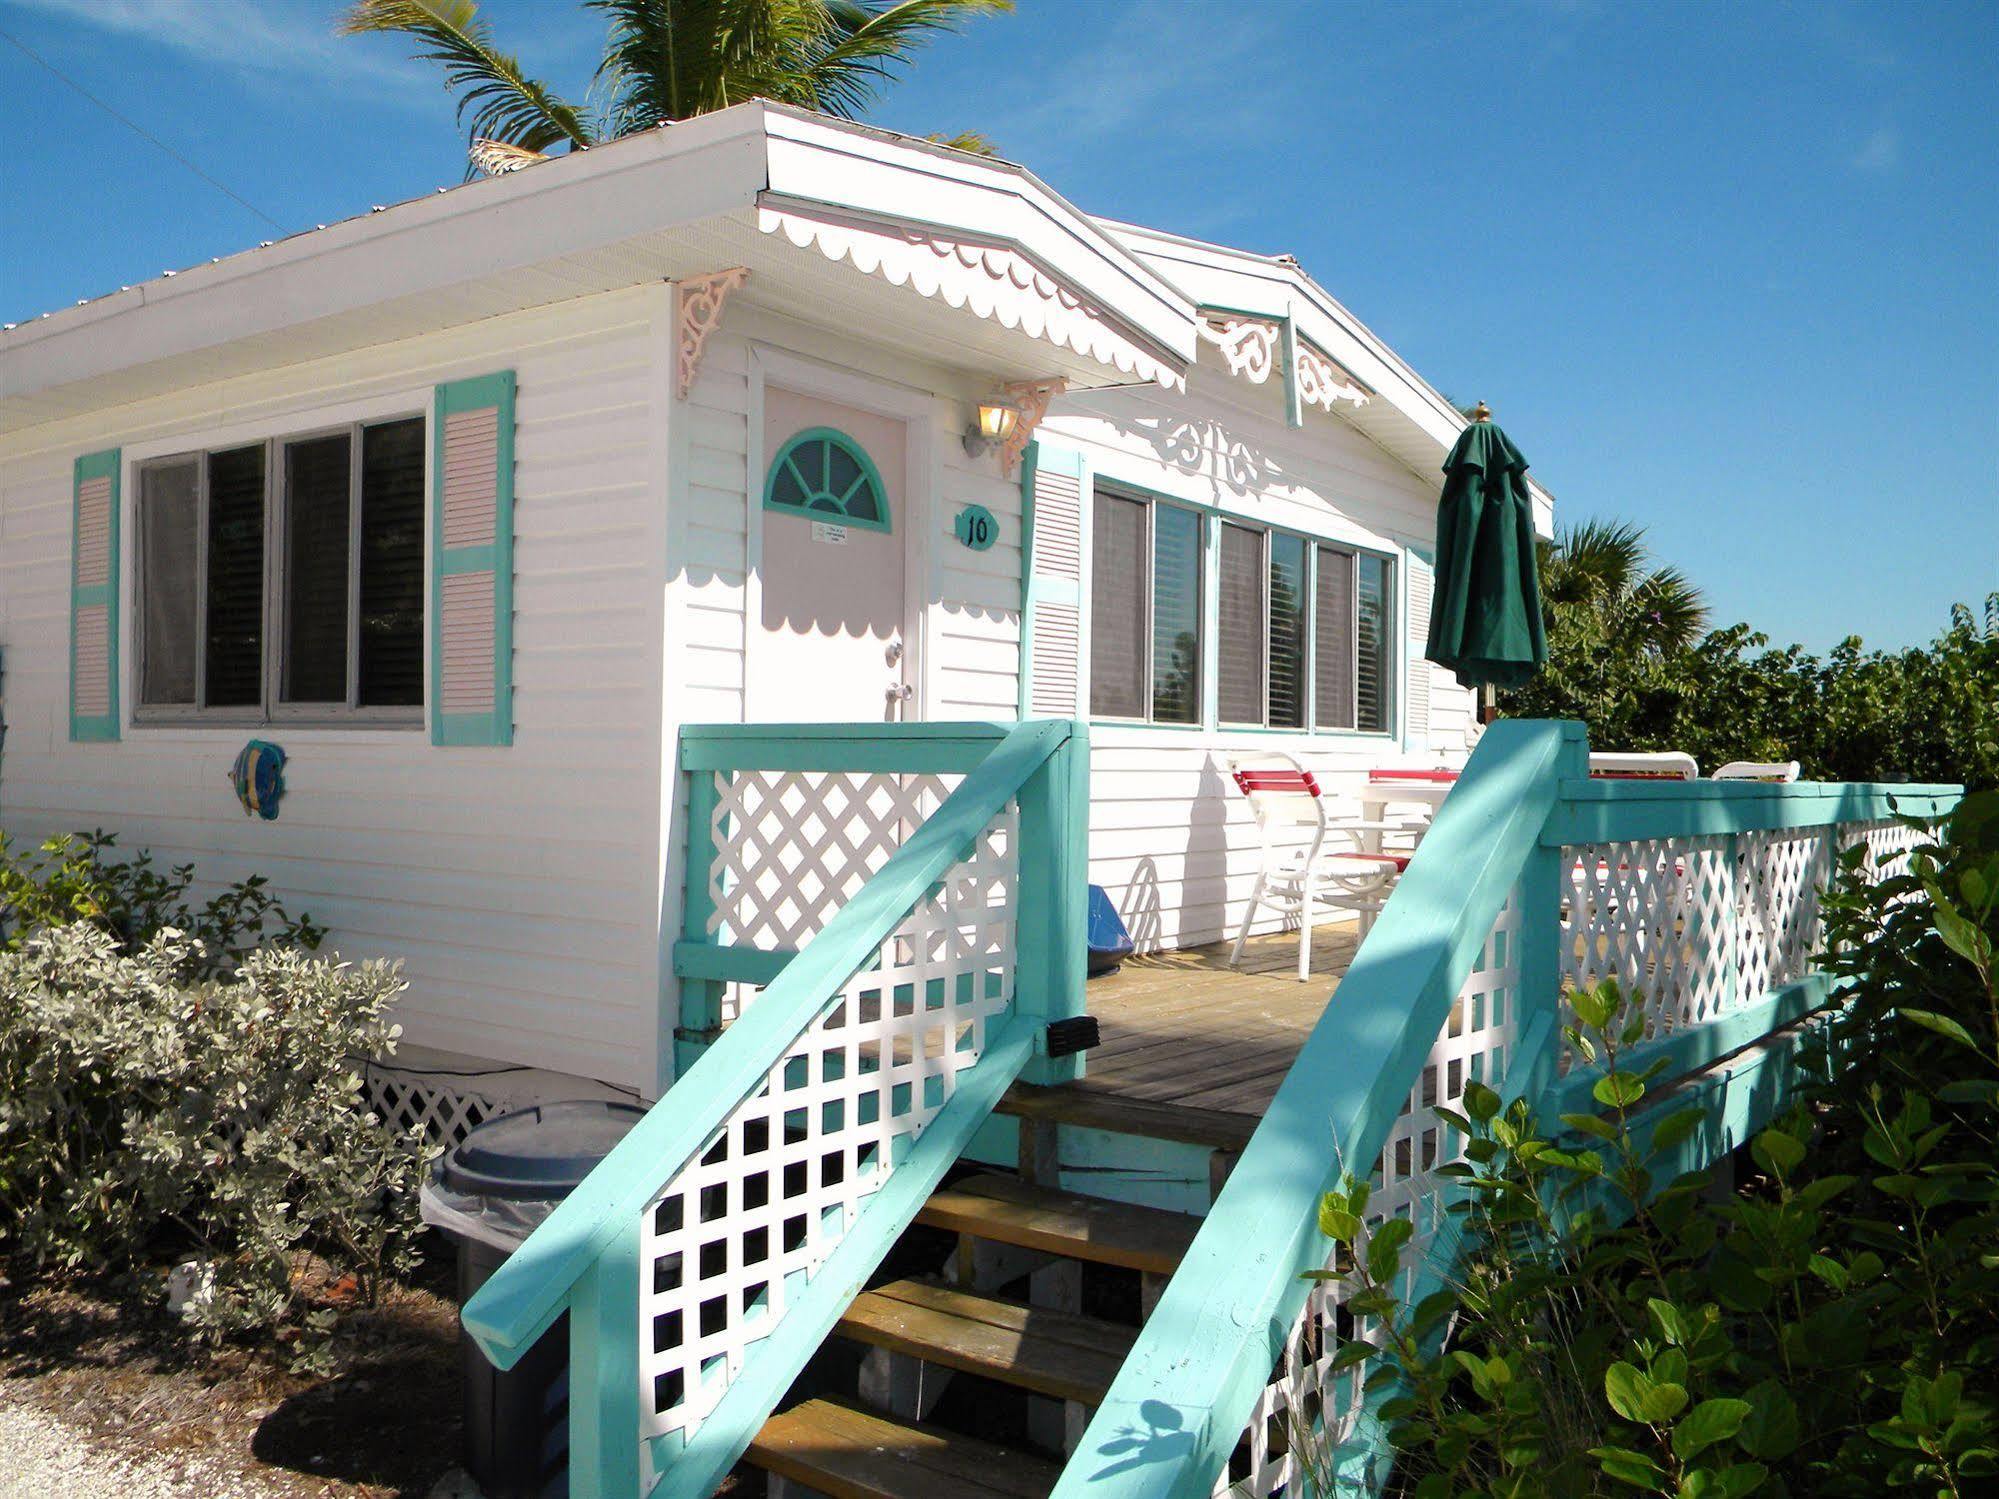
(93, 533)
(466, 635)
(93, 661)
(471, 476)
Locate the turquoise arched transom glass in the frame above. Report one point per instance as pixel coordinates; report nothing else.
(824, 473)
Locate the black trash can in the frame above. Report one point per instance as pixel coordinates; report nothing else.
(488, 1194)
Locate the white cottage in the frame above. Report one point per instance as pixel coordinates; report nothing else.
(474, 502)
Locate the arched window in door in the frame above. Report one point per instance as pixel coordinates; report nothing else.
(823, 473)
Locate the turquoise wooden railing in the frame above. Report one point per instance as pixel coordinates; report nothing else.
(910, 898)
(1702, 897)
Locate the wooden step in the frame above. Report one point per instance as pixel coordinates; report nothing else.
(1006, 1210)
(1051, 1353)
(1092, 1108)
(854, 1454)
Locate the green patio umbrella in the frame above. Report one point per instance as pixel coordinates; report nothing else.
(1485, 612)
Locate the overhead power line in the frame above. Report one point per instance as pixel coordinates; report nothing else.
(142, 132)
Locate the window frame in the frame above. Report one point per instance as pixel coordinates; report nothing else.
(273, 710)
(1209, 720)
(1149, 631)
(854, 450)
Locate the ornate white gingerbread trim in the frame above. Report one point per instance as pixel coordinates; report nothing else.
(1322, 381)
(1253, 348)
(1032, 397)
(1248, 345)
(698, 304)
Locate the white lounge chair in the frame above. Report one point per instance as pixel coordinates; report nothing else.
(1645, 765)
(1310, 861)
(1782, 772)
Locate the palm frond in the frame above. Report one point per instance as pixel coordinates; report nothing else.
(1670, 610)
(970, 141)
(868, 42)
(497, 101)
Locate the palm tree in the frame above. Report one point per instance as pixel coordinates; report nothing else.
(1598, 586)
(668, 60)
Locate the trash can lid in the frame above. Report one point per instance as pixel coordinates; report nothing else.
(543, 1151)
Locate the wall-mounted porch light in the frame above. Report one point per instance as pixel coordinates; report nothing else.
(995, 423)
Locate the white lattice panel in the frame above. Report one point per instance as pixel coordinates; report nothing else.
(792, 847)
(750, 1221)
(1661, 916)
(442, 1109)
(1782, 874)
(1888, 845)
(1306, 1406)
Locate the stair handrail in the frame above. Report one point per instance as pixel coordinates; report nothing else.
(583, 1241)
(1522, 823)
(1179, 1403)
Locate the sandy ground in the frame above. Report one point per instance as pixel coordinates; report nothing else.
(43, 1455)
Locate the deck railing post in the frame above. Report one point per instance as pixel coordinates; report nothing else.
(1545, 885)
(700, 999)
(1052, 926)
(604, 1374)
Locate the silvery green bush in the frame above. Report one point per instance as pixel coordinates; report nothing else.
(153, 1109)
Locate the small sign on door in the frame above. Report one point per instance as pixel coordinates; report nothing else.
(831, 535)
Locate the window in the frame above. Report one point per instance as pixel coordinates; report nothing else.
(825, 474)
(285, 579)
(1145, 611)
(1304, 631)
(1262, 612)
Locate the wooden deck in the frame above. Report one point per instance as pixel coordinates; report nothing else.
(1183, 1028)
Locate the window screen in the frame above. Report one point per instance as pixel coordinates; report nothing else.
(1375, 663)
(391, 622)
(169, 532)
(1287, 631)
(1176, 615)
(1118, 585)
(235, 615)
(1333, 640)
(1240, 626)
(316, 543)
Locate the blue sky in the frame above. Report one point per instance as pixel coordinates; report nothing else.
(1729, 272)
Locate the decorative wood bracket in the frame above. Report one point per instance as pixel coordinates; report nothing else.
(1032, 397)
(1256, 348)
(698, 307)
(1248, 345)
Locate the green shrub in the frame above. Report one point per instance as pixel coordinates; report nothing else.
(164, 1100)
(73, 878)
(1831, 1330)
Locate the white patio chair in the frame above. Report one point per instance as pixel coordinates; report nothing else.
(1645, 765)
(1310, 861)
(1782, 772)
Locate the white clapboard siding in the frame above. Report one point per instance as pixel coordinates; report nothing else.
(518, 887)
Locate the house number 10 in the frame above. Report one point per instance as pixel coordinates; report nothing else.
(977, 528)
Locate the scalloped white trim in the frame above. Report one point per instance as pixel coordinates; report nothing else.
(995, 283)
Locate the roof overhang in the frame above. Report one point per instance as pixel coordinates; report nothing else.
(1009, 280)
(1403, 413)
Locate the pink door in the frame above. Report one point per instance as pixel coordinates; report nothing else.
(828, 644)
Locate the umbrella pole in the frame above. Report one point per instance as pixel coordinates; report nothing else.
(1488, 704)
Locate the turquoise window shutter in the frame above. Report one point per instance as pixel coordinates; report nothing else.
(472, 562)
(93, 598)
(1055, 498)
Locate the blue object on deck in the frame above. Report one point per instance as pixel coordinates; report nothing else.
(1110, 943)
